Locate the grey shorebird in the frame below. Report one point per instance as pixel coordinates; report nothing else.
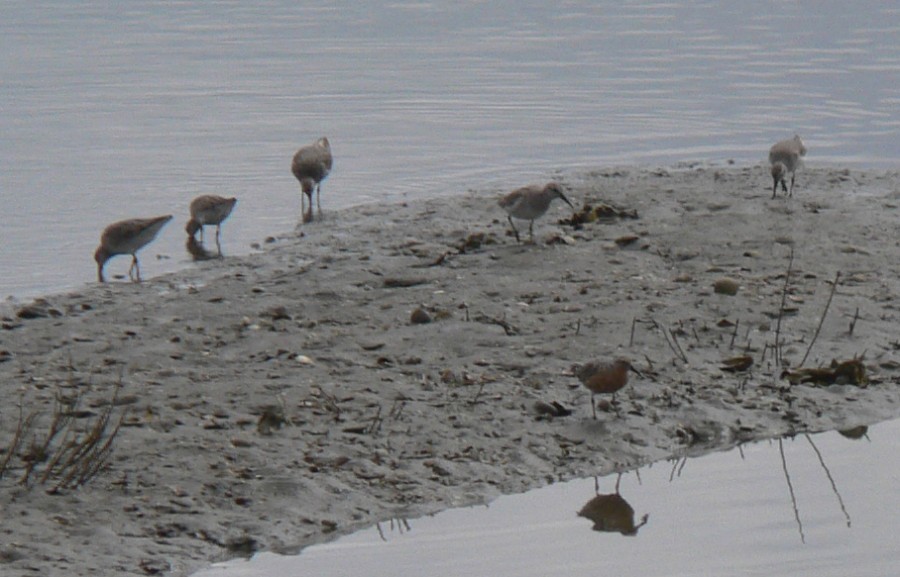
(529, 203)
(789, 154)
(209, 209)
(127, 237)
(311, 165)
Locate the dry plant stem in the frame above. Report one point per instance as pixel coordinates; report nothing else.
(93, 462)
(397, 409)
(677, 344)
(474, 400)
(853, 322)
(734, 334)
(631, 339)
(61, 421)
(23, 426)
(676, 348)
(375, 425)
(787, 280)
(822, 320)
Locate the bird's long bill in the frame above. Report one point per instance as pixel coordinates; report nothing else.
(567, 201)
(637, 372)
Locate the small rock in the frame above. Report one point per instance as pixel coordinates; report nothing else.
(626, 240)
(726, 286)
(278, 313)
(420, 317)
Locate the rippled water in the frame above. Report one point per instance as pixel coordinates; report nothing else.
(822, 505)
(110, 111)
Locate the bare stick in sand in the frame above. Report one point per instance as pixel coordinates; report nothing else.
(311, 165)
(209, 209)
(531, 202)
(127, 237)
(786, 156)
(603, 377)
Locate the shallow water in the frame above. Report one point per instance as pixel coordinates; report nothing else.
(114, 111)
(728, 513)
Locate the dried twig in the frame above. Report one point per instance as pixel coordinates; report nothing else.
(474, 400)
(375, 425)
(787, 280)
(676, 348)
(21, 428)
(822, 320)
(509, 329)
(853, 321)
(737, 323)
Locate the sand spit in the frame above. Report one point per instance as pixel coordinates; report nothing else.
(390, 361)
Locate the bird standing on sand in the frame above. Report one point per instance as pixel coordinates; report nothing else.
(603, 377)
(209, 209)
(531, 202)
(788, 154)
(310, 166)
(127, 237)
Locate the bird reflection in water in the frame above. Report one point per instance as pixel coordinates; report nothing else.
(197, 250)
(611, 513)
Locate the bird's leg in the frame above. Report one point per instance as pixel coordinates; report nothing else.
(218, 246)
(318, 198)
(303, 203)
(593, 406)
(515, 230)
(531, 231)
(774, 188)
(792, 185)
(136, 267)
(784, 187)
(201, 233)
(308, 215)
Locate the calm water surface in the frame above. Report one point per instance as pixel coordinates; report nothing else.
(723, 514)
(110, 111)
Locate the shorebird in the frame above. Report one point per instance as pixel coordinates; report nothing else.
(127, 237)
(603, 377)
(310, 166)
(209, 209)
(789, 154)
(529, 203)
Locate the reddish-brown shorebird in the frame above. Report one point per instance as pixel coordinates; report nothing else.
(127, 237)
(603, 377)
(311, 165)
